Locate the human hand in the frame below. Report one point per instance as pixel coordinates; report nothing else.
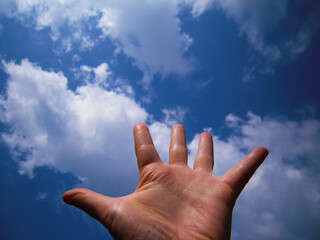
(172, 201)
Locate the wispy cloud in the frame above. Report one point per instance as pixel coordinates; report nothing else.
(174, 115)
(257, 20)
(41, 196)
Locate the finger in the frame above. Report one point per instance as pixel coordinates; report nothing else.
(178, 153)
(204, 159)
(94, 204)
(145, 150)
(240, 175)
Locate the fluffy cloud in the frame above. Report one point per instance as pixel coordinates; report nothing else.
(84, 132)
(103, 77)
(88, 132)
(282, 200)
(148, 33)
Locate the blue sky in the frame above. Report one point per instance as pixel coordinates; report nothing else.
(75, 76)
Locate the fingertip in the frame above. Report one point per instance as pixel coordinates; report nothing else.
(140, 126)
(266, 150)
(261, 152)
(178, 126)
(206, 135)
(94, 204)
(68, 196)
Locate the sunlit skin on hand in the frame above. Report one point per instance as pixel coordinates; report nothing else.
(172, 201)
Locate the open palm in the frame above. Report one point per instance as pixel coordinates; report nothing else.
(172, 201)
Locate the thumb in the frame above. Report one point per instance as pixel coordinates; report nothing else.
(94, 204)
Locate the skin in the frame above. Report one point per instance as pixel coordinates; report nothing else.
(172, 201)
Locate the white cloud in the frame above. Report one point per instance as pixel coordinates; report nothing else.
(174, 115)
(100, 74)
(149, 33)
(282, 200)
(198, 6)
(84, 132)
(103, 77)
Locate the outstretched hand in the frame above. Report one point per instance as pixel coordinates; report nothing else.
(172, 201)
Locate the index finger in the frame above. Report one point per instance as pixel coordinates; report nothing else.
(145, 150)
